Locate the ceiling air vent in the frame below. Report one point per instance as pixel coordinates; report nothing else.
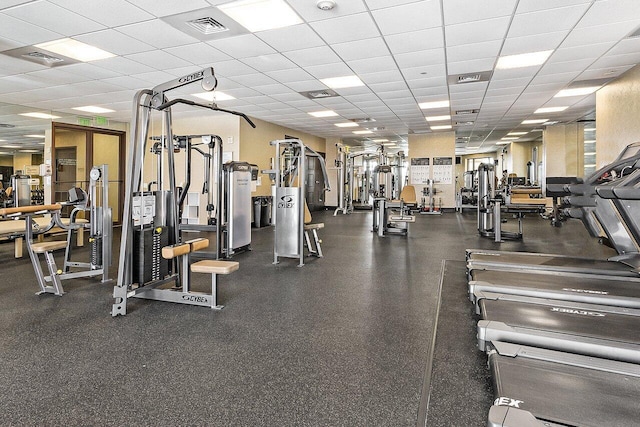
(6, 125)
(319, 94)
(467, 123)
(49, 59)
(458, 79)
(207, 25)
(363, 120)
(42, 57)
(470, 111)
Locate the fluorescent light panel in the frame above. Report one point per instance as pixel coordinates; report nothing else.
(35, 136)
(75, 49)
(11, 146)
(437, 118)
(40, 115)
(261, 15)
(517, 133)
(578, 91)
(434, 104)
(523, 60)
(347, 125)
(503, 143)
(93, 109)
(544, 110)
(325, 113)
(342, 82)
(216, 96)
(510, 138)
(442, 127)
(362, 132)
(534, 121)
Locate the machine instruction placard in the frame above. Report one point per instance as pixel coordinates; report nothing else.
(443, 170)
(420, 170)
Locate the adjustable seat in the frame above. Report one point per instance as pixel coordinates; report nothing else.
(316, 249)
(47, 249)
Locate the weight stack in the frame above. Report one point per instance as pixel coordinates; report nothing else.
(148, 264)
(96, 252)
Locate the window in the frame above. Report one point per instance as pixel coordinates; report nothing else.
(472, 164)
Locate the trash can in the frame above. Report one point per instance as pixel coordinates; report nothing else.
(265, 211)
(256, 211)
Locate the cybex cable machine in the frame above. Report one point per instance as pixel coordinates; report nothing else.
(150, 218)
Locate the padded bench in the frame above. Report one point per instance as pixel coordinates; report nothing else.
(215, 267)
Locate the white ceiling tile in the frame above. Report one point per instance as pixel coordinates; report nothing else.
(158, 59)
(125, 66)
(533, 43)
(592, 51)
(417, 59)
(54, 18)
(611, 11)
(310, 12)
(24, 32)
(339, 69)
(603, 73)
(477, 88)
(244, 46)
(157, 33)
(198, 53)
(168, 7)
(515, 73)
(55, 76)
(382, 77)
(306, 85)
(368, 48)
(118, 12)
(127, 82)
(313, 56)
(460, 11)
(347, 91)
(154, 78)
(599, 34)
(626, 46)
(478, 31)
(526, 24)
(290, 75)
(617, 60)
(408, 17)
(425, 72)
(471, 66)
(387, 87)
(295, 37)
(251, 80)
(239, 92)
(273, 89)
(504, 91)
(430, 94)
(94, 71)
(346, 28)
(372, 65)
(272, 62)
(554, 78)
(431, 38)
(287, 97)
(535, 5)
(576, 66)
(114, 42)
(428, 82)
(467, 52)
(232, 68)
(508, 83)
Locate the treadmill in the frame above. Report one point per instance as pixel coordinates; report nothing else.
(589, 329)
(582, 288)
(576, 390)
(608, 203)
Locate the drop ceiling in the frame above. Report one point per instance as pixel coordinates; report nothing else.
(405, 52)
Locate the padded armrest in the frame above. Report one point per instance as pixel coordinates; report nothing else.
(169, 252)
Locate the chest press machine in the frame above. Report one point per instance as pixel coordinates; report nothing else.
(151, 252)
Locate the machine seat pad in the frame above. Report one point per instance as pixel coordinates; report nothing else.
(43, 247)
(315, 226)
(214, 266)
(198, 244)
(170, 252)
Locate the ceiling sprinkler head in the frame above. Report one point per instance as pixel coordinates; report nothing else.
(326, 4)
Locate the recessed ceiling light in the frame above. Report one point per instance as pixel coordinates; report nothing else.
(40, 115)
(94, 109)
(578, 91)
(589, 141)
(434, 104)
(362, 132)
(261, 15)
(510, 138)
(30, 151)
(2, 140)
(443, 127)
(534, 121)
(590, 153)
(589, 129)
(437, 118)
(503, 143)
(216, 96)
(523, 60)
(75, 49)
(35, 136)
(382, 140)
(342, 82)
(11, 146)
(544, 110)
(347, 125)
(551, 123)
(517, 133)
(325, 113)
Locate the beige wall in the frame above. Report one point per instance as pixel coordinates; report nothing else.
(255, 148)
(6, 160)
(441, 144)
(617, 113)
(564, 150)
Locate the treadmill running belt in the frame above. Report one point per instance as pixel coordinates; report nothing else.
(571, 395)
(523, 260)
(561, 318)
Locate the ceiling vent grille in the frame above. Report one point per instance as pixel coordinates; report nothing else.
(470, 111)
(6, 125)
(49, 59)
(467, 123)
(363, 120)
(459, 79)
(207, 25)
(319, 94)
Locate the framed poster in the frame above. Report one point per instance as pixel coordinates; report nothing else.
(420, 170)
(443, 170)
